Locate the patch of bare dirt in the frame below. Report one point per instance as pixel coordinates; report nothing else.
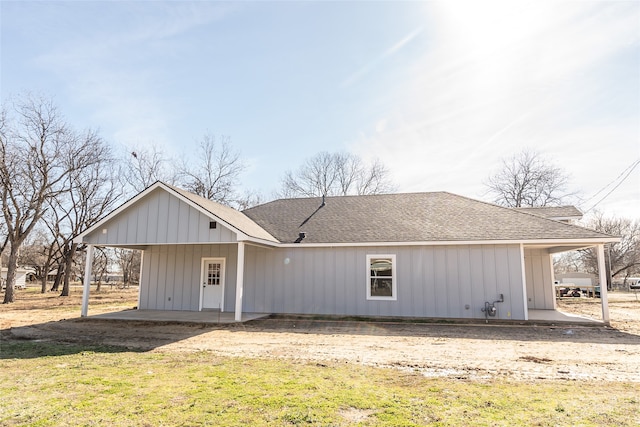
(481, 351)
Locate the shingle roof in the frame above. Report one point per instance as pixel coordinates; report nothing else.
(228, 215)
(554, 212)
(409, 217)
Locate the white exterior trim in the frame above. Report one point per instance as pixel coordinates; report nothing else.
(553, 281)
(394, 278)
(524, 283)
(239, 282)
(602, 273)
(140, 278)
(86, 287)
(143, 246)
(580, 242)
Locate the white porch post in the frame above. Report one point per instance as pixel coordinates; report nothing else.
(88, 261)
(524, 283)
(602, 272)
(239, 282)
(140, 278)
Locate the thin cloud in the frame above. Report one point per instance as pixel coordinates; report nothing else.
(353, 78)
(469, 104)
(108, 71)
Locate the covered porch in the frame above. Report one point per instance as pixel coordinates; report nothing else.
(559, 317)
(209, 317)
(538, 279)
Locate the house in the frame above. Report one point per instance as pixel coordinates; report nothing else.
(568, 214)
(429, 255)
(21, 277)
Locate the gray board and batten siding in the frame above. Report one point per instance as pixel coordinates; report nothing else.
(539, 278)
(171, 275)
(432, 281)
(159, 218)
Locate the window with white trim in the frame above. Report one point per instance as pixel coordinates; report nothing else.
(381, 277)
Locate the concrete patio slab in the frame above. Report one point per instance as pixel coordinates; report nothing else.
(204, 316)
(556, 316)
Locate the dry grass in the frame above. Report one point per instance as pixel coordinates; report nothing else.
(54, 384)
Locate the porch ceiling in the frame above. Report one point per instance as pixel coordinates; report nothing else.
(555, 248)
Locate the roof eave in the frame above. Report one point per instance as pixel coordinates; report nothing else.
(585, 242)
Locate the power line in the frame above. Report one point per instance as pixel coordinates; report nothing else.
(633, 166)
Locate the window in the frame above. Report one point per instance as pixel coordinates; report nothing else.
(381, 277)
(213, 273)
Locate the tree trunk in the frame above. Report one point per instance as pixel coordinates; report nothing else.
(12, 266)
(45, 273)
(56, 282)
(43, 284)
(67, 269)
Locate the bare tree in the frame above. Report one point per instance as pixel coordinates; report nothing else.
(214, 172)
(92, 192)
(39, 157)
(625, 255)
(129, 262)
(34, 147)
(527, 179)
(336, 174)
(143, 167)
(41, 253)
(4, 241)
(100, 266)
(248, 200)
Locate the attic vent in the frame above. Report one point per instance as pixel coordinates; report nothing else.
(212, 225)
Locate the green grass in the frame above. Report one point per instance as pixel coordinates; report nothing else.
(47, 384)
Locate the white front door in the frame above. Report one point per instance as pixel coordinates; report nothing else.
(212, 282)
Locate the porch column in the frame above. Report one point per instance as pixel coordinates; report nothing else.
(602, 273)
(524, 283)
(88, 261)
(239, 282)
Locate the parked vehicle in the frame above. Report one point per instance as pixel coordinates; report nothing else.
(634, 283)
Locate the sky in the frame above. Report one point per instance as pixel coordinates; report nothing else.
(439, 91)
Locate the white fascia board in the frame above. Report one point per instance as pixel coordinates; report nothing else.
(585, 242)
(258, 242)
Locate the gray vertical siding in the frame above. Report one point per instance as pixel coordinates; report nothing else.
(159, 218)
(432, 281)
(171, 276)
(539, 278)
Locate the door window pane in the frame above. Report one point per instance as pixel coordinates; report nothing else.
(213, 274)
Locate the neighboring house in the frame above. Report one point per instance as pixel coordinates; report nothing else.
(21, 277)
(435, 255)
(577, 279)
(568, 214)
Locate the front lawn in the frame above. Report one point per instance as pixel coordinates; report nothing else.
(51, 384)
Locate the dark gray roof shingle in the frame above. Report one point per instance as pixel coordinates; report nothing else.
(409, 217)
